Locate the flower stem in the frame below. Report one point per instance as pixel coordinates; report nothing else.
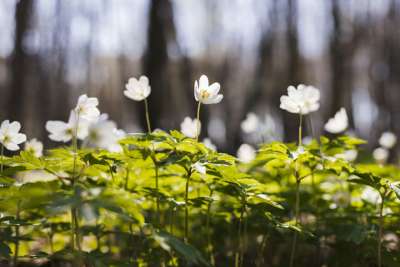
(186, 236)
(380, 230)
(296, 214)
(239, 253)
(146, 107)
(157, 192)
(209, 244)
(16, 252)
(75, 242)
(2, 157)
(198, 121)
(301, 130)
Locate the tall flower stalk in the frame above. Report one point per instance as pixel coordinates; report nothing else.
(198, 125)
(186, 229)
(146, 107)
(301, 100)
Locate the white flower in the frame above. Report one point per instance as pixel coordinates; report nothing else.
(10, 137)
(189, 127)
(207, 142)
(349, 155)
(104, 134)
(137, 90)
(86, 108)
(303, 100)
(251, 123)
(199, 167)
(205, 93)
(370, 195)
(34, 146)
(380, 154)
(246, 153)
(338, 123)
(388, 140)
(64, 131)
(118, 135)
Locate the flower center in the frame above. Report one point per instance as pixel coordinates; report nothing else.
(204, 94)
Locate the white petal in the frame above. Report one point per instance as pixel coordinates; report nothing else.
(214, 88)
(14, 127)
(213, 100)
(203, 81)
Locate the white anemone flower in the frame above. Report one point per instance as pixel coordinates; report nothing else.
(303, 100)
(206, 93)
(251, 123)
(10, 137)
(86, 108)
(338, 123)
(35, 147)
(189, 127)
(381, 155)
(207, 142)
(388, 140)
(104, 134)
(138, 90)
(64, 131)
(246, 153)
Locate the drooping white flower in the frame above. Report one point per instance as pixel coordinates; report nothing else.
(349, 155)
(35, 147)
(246, 153)
(137, 90)
(86, 108)
(251, 123)
(207, 142)
(388, 140)
(10, 137)
(189, 127)
(64, 131)
(303, 100)
(206, 93)
(381, 155)
(200, 167)
(338, 123)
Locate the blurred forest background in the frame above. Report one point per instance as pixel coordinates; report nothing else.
(51, 51)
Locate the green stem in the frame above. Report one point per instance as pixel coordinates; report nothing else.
(239, 253)
(186, 236)
(2, 157)
(301, 130)
(75, 242)
(157, 192)
(198, 121)
(146, 107)
(127, 179)
(380, 230)
(209, 244)
(296, 214)
(16, 252)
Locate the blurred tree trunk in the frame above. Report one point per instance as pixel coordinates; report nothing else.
(155, 62)
(290, 121)
(341, 52)
(19, 61)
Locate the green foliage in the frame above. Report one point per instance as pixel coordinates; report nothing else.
(130, 206)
